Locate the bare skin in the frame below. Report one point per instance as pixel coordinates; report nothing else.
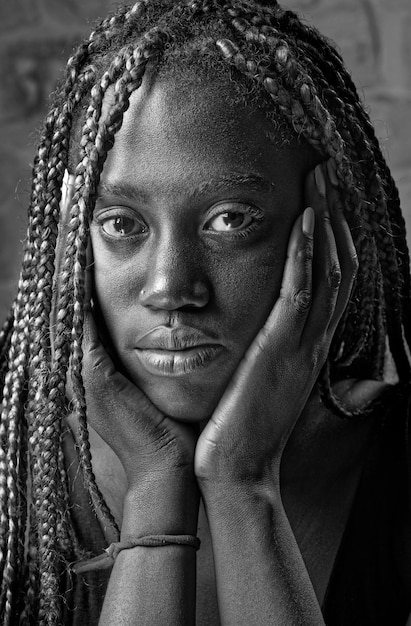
(268, 459)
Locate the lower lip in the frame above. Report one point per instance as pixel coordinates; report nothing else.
(178, 362)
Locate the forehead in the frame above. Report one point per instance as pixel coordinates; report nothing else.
(199, 130)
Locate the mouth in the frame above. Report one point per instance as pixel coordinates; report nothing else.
(177, 351)
(177, 362)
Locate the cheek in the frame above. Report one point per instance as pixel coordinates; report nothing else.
(116, 287)
(247, 287)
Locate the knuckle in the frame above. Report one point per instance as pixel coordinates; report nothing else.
(305, 254)
(327, 219)
(302, 300)
(261, 342)
(334, 277)
(354, 265)
(317, 352)
(309, 254)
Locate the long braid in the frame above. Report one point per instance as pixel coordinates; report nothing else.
(51, 450)
(48, 167)
(52, 170)
(336, 74)
(360, 331)
(46, 435)
(97, 40)
(247, 27)
(400, 280)
(13, 399)
(134, 62)
(50, 397)
(5, 337)
(27, 288)
(285, 101)
(370, 156)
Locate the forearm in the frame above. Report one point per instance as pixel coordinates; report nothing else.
(261, 576)
(155, 585)
(152, 586)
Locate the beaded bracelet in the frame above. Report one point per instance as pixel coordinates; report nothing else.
(104, 561)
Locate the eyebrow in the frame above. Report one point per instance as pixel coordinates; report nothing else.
(253, 181)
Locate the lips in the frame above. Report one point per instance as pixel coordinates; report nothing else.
(176, 351)
(174, 339)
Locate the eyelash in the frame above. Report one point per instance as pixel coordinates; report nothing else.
(239, 208)
(110, 216)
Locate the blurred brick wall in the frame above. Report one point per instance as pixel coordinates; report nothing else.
(37, 36)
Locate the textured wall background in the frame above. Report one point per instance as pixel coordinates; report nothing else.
(36, 38)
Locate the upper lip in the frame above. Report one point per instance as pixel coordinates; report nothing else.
(178, 338)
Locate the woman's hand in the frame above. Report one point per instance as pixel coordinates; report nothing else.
(244, 440)
(145, 440)
(156, 452)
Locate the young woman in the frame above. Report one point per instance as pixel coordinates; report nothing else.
(215, 285)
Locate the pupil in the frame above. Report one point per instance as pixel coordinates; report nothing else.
(120, 224)
(233, 220)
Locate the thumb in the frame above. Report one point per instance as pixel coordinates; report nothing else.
(102, 380)
(96, 363)
(98, 367)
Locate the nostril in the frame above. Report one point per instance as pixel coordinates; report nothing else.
(169, 296)
(200, 290)
(189, 308)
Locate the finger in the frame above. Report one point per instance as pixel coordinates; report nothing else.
(347, 253)
(295, 299)
(99, 370)
(326, 265)
(282, 330)
(111, 396)
(96, 362)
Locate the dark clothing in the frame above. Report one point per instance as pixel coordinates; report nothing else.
(370, 583)
(371, 580)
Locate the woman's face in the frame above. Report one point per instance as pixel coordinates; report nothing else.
(189, 238)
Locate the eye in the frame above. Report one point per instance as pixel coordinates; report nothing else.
(229, 221)
(120, 226)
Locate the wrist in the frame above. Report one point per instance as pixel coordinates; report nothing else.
(233, 498)
(158, 505)
(242, 482)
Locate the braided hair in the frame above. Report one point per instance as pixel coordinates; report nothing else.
(294, 74)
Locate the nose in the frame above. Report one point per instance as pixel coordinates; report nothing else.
(174, 280)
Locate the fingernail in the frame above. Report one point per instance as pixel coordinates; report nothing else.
(308, 221)
(332, 172)
(320, 181)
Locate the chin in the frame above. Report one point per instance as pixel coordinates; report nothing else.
(189, 405)
(185, 411)
(186, 401)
